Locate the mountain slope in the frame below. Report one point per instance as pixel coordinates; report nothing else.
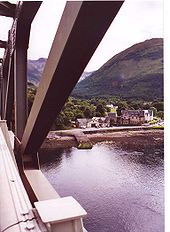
(85, 75)
(135, 73)
(35, 70)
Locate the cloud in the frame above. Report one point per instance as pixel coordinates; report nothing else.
(6, 24)
(136, 21)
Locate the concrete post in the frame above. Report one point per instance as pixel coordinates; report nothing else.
(61, 214)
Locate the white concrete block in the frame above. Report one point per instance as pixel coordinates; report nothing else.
(60, 209)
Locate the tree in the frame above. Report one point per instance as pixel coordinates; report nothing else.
(69, 114)
(159, 106)
(59, 122)
(154, 111)
(88, 113)
(118, 111)
(98, 114)
(122, 105)
(100, 109)
(31, 92)
(160, 114)
(78, 113)
(134, 105)
(146, 106)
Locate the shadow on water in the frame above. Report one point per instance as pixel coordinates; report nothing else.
(121, 189)
(53, 156)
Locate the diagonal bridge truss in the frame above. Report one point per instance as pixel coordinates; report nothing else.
(82, 27)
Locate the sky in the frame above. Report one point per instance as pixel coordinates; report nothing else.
(136, 21)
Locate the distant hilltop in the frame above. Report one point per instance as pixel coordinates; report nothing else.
(35, 70)
(135, 73)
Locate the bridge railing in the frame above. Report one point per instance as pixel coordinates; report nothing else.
(82, 27)
(16, 211)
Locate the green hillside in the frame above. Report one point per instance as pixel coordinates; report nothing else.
(135, 73)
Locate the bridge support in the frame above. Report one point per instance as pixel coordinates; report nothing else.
(20, 89)
(69, 218)
(22, 25)
(80, 31)
(9, 100)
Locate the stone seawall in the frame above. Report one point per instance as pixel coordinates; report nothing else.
(130, 137)
(59, 142)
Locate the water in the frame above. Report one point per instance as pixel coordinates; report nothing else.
(121, 191)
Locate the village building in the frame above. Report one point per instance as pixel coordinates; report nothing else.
(127, 117)
(81, 122)
(135, 117)
(103, 121)
(95, 122)
(112, 118)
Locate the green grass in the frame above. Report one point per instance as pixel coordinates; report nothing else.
(113, 110)
(155, 120)
(85, 145)
(161, 127)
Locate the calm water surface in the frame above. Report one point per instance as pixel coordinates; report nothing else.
(121, 191)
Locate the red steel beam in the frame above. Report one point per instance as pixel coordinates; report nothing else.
(3, 44)
(82, 27)
(25, 14)
(7, 9)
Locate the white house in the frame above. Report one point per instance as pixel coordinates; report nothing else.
(136, 117)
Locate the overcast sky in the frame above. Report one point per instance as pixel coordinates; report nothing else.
(136, 21)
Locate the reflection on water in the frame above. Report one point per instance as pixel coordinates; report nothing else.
(121, 191)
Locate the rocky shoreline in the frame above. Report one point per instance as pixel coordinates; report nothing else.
(129, 140)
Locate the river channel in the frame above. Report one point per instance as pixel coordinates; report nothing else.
(122, 191)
